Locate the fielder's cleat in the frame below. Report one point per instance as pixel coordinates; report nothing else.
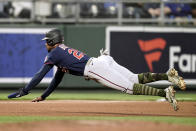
(170, 97)
(176, 79)
(20, 93)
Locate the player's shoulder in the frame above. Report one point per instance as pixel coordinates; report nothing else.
(51, 57)
(52, 53)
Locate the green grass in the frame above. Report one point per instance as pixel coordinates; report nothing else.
(164, 119)
(98, 95)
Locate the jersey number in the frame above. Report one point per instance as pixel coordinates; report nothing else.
(76, 53)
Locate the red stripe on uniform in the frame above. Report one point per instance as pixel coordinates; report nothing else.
(49, 63)
(109, 81)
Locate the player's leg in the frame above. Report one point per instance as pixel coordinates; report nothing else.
(151, 77)
(168, 93)
(136, 78)
(123, 71)
(106, 71)
(142, 89)
(101, 71)
(171, 76)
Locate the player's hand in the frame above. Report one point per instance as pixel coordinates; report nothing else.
(38, 99)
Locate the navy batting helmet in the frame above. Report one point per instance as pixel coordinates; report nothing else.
(53, 37)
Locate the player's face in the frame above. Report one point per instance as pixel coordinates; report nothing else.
(49, 48)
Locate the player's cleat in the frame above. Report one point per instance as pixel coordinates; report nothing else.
(170, 97)
(20, 93)
(176, 79)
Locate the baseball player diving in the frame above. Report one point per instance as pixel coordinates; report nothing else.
(102, 69)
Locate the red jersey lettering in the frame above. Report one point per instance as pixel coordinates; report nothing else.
(77, 54)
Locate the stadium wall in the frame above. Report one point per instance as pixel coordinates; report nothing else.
(22, 52)
(89, 39)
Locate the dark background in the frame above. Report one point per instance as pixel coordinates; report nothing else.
(126, 51)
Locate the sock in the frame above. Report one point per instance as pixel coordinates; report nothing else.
(141, 89)
(151, 77)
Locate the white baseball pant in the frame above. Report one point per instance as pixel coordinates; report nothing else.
(109, 73)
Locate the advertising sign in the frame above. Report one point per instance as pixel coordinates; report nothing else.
(154, 49)
(22, 54)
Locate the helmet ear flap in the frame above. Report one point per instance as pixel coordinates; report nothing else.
(50, 42)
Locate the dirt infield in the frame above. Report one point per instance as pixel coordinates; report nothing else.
(95, 108)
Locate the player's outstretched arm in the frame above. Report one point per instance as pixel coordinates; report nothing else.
(34, 81)
(38, 76)
(54, 83)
